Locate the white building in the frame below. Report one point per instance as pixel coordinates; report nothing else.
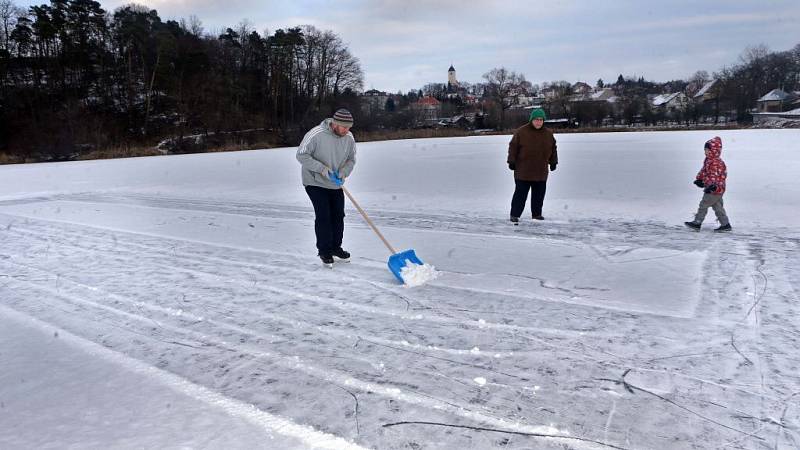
(671, 102)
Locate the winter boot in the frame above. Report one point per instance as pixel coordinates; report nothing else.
(538, 218)
(327, 260)
(514, 220)
(341, 255)
(692, 225)
(723, 228)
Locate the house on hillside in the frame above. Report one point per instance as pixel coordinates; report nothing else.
(581, 88)
(427, 111)
(603, 95)
(459, 121)
(776, 100)
(675, 101)
(374, 101)
(523, 99)
(551, 92)
(707, 100)
(470, 99)
(591, 107)
(709, 92)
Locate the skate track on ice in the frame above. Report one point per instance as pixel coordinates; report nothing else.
(350, 353)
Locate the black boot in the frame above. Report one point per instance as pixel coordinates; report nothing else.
(726, 227)
(341, 254)
(692, 225)
(327, 260)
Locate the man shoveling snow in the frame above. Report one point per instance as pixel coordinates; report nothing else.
(327, 149)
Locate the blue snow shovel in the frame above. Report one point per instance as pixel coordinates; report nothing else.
(398, 260)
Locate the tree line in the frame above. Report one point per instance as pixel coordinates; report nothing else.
(757, 72)
(732, 97)
(74, 74)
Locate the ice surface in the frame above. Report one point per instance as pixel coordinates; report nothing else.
(607, 323)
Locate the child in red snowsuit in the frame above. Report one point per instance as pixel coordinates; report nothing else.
(711, 179)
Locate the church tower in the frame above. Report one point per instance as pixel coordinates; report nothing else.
(451, 77)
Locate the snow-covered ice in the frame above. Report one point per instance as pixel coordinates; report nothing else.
(178, 302)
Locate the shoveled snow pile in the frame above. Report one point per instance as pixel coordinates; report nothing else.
(417, 275)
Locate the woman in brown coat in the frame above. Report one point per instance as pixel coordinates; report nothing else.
(530, 152)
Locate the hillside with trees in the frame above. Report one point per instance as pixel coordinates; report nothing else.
(75, 77)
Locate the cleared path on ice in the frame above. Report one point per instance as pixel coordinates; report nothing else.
(273, 328)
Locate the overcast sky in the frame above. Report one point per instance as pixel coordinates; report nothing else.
(405, 44)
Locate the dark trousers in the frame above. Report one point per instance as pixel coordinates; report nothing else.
(329, 221)
(537, 189)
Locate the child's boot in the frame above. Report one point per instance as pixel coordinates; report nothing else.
(693, 225)
(722, 228)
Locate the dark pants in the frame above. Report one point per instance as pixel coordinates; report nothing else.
(537, 189)
(329, 221)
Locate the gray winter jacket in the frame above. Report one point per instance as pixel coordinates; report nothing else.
(322, 148)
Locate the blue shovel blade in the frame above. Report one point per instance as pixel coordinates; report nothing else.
(399, 260)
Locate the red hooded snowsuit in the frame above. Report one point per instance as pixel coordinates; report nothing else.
(714, 170)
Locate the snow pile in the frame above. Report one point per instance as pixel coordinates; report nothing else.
(779, 122)
(416, 275)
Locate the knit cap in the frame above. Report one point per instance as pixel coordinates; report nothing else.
(537, 113)
(343, 118)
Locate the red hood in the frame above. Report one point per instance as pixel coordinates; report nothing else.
(714, 146)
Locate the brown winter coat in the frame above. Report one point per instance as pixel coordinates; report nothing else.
(532, 151)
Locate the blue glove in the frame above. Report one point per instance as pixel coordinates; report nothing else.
(334, 176)
(710, 188)
(699, 183)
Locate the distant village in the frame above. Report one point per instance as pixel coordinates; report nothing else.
(627, 103)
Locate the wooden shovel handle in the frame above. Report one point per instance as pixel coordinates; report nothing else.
(369, 222)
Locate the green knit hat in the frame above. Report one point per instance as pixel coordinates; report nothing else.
(537, 113)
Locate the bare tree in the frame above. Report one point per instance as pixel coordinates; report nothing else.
(331, 50)
(753, 53)
(244, 28)
(696, 82)
(194, 26)
(559, 93)
(306, 56)
(346, 73)
(435, 90)
(501, 83)
(325, 66)
(8, 15)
